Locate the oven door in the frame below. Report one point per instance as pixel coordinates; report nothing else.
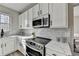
(31, 52)
(38, 23)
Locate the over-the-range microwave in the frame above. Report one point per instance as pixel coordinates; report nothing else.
(42, 22)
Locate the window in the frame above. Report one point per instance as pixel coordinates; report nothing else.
(4, 19)
(4, 22)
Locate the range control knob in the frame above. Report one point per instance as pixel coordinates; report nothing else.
(40, 47)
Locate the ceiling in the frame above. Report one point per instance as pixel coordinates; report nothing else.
(19, 7)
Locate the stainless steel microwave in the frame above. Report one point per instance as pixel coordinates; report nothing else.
(42, 22)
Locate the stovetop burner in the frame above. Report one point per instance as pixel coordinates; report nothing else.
(41, 40)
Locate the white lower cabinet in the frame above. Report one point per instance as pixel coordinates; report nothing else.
(21, 45)
(50, 52)
(22, 49)
(8, 45)
(0, 47)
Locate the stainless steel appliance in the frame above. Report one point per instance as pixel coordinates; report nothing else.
(36, 46)
(38, 23)
(46, 20)
(41, 22)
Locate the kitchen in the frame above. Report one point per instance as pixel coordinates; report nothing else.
(36, 29)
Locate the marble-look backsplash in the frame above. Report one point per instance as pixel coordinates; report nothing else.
(46, 32)
(26, 32)
(52, 33)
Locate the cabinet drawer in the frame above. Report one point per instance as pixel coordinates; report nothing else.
(53, 53)
(58, 49)
(48, 54)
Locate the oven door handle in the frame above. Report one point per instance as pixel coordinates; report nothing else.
(27, 54)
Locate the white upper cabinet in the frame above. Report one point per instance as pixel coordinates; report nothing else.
(58, 15)
(43, 8)
(22, 20)
(25, 19)
(25, 23)
(36, 11)
(30, 17)
(40, 9)
(76, 11)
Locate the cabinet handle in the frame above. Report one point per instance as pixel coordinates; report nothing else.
(51, 22)
(5, 44)
(40, 11)
(1, 45)
(54, 54)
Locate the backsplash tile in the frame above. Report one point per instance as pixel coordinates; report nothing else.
(51, 33)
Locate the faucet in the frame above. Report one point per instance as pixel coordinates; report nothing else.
(2, 32)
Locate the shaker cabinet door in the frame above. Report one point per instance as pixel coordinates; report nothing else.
(8, 45)
(20, 21)
(43, 8)
(1, 47)
(51, 52)
(58, 15)
(30, 17)
(36, 11)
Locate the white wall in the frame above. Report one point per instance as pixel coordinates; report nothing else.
(13, 19)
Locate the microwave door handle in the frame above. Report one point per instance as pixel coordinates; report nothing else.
(43, 21)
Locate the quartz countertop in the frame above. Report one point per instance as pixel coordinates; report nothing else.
(15, 35)
(20, 36)
(60, 47)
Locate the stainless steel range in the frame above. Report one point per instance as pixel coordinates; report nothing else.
(36, 46)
